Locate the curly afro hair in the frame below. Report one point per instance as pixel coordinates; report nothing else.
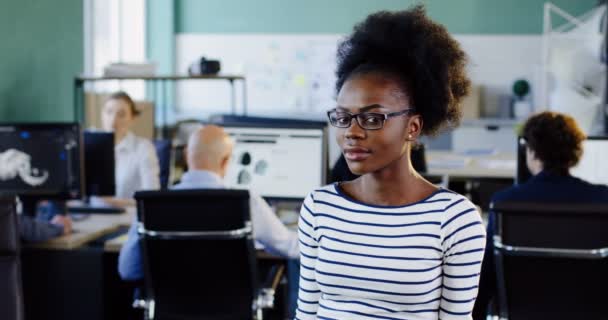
(556, 140)
(417, 52)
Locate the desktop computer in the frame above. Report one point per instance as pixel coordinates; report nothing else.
(98, 172)
(592, 166)
(41, 161)
(285, 162)
(99, 163)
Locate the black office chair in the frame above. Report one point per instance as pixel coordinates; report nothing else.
(165, 161)
(198, 255)
(551, 260)
(11, 293)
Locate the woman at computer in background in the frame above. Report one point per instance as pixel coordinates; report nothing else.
(389, 244)
(553, 147)
(136, 164)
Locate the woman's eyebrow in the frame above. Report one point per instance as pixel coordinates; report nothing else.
(370, 107)
(362, 109)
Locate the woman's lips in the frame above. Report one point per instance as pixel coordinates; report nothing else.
(356, 153)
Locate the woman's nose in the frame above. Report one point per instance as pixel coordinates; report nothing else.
(355, 130)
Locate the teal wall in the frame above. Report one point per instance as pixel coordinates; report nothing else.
(41, 52)
(339, 16)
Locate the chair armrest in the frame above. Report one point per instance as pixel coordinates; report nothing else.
(265, 297)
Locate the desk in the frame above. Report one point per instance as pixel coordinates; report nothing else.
(115, 244)
(456, 165)
(88, 229)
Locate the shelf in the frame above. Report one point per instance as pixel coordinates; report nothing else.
(161, 77)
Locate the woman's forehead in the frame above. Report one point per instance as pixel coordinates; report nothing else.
(117, 104)
(365, 91)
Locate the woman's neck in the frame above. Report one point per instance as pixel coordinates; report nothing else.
(119, 136)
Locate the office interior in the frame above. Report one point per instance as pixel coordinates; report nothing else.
(271, 91)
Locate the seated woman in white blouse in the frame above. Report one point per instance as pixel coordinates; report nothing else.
(136, 162)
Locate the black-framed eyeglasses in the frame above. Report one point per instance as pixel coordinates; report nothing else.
(366, 120)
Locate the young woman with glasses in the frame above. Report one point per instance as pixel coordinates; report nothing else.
(389, 244)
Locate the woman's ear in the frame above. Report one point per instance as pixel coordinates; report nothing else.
(225, 163)
(414, 127)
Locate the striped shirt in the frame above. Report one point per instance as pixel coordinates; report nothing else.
(361, 261)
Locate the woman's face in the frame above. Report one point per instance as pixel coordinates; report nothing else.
(116, 116)
(534, 164)
(368, 151)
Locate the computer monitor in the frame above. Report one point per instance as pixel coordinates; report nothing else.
(591, 167)
(278, 161)
(99, 164)
(41, 160)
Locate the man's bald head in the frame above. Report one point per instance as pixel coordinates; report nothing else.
(209, 148)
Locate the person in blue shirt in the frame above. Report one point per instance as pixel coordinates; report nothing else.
(208, 156)
(553, 146)
(49, 222)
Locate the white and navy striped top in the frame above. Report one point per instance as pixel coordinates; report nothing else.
(361, 261)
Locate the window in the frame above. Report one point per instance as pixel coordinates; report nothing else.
(114, 32)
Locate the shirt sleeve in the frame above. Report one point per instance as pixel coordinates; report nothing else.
(463, 241)
(309, 293)
(130, 259)
(149, 169)
(270, 231)
(32, 230)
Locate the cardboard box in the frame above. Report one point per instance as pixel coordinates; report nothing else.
(471, 105)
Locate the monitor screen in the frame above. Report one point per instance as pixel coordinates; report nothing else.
(591, 166)
(99, 164)
(41, 160)
(277, 162)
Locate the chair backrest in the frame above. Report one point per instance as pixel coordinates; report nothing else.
(551, 260)
(11, 294)
(198, 253)
(165, 159)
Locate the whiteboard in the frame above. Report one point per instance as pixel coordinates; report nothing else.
(293, 74)
(282, 163)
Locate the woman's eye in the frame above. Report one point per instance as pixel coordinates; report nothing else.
(372, 120)
(341, 118)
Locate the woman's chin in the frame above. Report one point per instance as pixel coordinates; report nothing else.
(358, 168)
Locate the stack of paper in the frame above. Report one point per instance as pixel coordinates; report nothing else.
(130, 70)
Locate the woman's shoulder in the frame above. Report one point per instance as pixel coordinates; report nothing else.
(329, 189)
(456, 200)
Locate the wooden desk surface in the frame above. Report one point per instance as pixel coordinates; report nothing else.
(456, 165)
(88, 229)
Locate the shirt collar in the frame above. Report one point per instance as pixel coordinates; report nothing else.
(128, 142)
(545, 175)
(202, 177)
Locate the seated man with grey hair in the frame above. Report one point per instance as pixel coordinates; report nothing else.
(208, 156)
